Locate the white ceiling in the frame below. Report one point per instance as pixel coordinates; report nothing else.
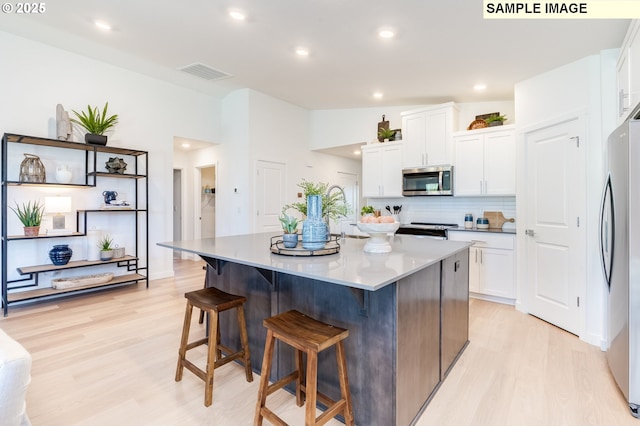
(441, 50)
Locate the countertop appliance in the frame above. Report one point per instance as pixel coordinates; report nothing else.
(620, 254)
(430, 230)
(433, 180)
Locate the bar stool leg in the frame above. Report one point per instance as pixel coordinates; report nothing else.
(244, 339)
(183, 342)
(300, 381)
(311, 388)
(211, 358)
(344, 384)
(264, 377)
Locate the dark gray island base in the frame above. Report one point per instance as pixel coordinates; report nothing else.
(403, 337)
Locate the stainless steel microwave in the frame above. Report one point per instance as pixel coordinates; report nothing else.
(434, 180)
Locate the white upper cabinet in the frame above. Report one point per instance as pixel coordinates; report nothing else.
(382, 170)
(426, 135)
(628, 68)
(485, 162)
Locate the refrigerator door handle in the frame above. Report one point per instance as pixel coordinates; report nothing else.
(607, 230)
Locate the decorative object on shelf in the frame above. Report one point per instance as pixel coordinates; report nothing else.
(314, 229)
(378, 232)
(57, 206)
(63, 174)
(468, 221)
(32, 170)
(63, 124)
(71, 282)
(106, 248)
(118, 252)
(385, 135)
(398, 135)
(496, 120)
(60, 254)
(116, 165)
(477, 124)
(30, 215)
(290, 228)
(382, 125)
(497, 219)
(109, 196)
(482, 223)
(95, 123)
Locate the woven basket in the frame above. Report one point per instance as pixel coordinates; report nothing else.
(32, 169)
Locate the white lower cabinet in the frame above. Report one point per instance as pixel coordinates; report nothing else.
(382, 170)
(491, 264)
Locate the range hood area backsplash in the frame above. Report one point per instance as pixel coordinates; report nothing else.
(446, 209)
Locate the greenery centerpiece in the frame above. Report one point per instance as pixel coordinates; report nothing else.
(30, 215)
(385, 134)
(96, 123)
(333, 205)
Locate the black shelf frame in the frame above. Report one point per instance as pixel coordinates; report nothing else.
(140, 212)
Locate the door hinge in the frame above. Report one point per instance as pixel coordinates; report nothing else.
(578, 221)
(577, 138)
(578, 301)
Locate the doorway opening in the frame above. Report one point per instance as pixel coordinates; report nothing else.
(207, 203)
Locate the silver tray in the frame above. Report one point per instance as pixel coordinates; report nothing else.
(331, 247)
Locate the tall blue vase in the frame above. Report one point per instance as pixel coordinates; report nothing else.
(314, 229)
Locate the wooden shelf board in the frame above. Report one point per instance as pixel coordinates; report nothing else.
(75, 264)
(23, 237)
(46, 292)
(32, 140)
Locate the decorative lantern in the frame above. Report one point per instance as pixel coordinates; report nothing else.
(32, 169)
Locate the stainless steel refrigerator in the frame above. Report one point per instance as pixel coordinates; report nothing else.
(620, 253)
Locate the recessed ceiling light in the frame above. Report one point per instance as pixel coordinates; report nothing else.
(103, 25)
(377, 95)
(237, 15)
(302, 51)
(479, 87)
(185, 145)
(357, 152)
(386, 33)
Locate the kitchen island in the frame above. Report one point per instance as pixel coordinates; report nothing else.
(406, 312)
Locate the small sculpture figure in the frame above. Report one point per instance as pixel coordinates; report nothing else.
(63, 124)
(116, 165)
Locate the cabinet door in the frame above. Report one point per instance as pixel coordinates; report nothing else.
(634, 68)
(474, 269)
(391, 171)
(624, 84)
(496, 272)
(413, 137)
(437, 138)
(467, 172)
(371, 165)
(500, 164)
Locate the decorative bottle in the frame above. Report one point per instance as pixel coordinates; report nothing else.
(314, 229)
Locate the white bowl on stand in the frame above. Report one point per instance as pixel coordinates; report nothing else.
(378, 232)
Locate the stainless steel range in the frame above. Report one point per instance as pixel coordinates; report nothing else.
(426, 229)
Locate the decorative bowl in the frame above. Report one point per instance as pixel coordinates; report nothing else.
(378, 232)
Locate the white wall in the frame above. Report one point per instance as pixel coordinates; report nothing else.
(36, 77)
(575, 88)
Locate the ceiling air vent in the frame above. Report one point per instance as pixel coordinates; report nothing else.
(204, 71)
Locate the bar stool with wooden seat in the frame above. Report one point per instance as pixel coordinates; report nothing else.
(213, 301)
(310, 336)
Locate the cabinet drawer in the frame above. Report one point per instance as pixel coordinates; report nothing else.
(484, 239)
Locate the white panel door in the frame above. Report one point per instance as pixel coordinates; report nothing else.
(555, 247)
(269, 195)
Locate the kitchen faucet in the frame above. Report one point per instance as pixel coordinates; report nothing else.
(344, 200)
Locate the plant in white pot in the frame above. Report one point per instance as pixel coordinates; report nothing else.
(290, 229)
(96, 123)
(106, 248)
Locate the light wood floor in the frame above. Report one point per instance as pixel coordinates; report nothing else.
(109, 359)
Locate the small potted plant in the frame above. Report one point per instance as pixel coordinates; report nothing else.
(365, 210)
(96, 123)
(290, 228)
(495, 120)
(30, 215)
(385, 135)
(106, 248)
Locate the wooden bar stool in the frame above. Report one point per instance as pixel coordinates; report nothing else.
(310, 336)
(213, 301)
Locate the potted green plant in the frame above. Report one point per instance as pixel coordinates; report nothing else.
(496, 120)
(96, 123)
(365, 210)
(30, 215)
(385, 135)
(106, 248)
(333, 204)
(290, 229)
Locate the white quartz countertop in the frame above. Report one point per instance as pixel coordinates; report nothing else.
(350, 267)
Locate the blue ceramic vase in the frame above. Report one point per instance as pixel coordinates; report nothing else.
(314, 229)
(60, 254)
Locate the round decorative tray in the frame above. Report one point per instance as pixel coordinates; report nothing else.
(477, 124)
(331, 247)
